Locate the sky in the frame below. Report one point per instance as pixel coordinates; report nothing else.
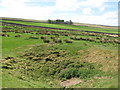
(104, 12)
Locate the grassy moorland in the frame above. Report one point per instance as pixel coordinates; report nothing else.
(46, 58)
(63, 26)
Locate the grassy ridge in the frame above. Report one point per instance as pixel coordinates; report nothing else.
(62, 26)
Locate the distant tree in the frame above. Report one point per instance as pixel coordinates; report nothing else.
(49, 21)
(62, 21)
(70, 22)
(57, 21)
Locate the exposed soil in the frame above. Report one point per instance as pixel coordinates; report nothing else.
(70, 82)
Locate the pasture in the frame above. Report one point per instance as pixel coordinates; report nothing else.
(36, 57)
(62, 26)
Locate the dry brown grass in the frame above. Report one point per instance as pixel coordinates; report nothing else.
(95, 25)
(105, 60)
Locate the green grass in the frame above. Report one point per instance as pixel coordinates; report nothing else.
(99, 83)
(39, 73)
(14, 82)
(62, 26)
(13, 42)
(10, 44)
(41, 69)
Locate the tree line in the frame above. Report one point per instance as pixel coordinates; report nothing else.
(58, 21)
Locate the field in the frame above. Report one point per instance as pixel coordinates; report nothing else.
(62, 26)
(37, 57)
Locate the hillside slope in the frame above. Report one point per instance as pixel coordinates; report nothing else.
(81, 27)
(36, 57)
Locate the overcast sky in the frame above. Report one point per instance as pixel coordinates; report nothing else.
(103, 12)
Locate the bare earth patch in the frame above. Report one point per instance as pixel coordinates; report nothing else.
(70, 82)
